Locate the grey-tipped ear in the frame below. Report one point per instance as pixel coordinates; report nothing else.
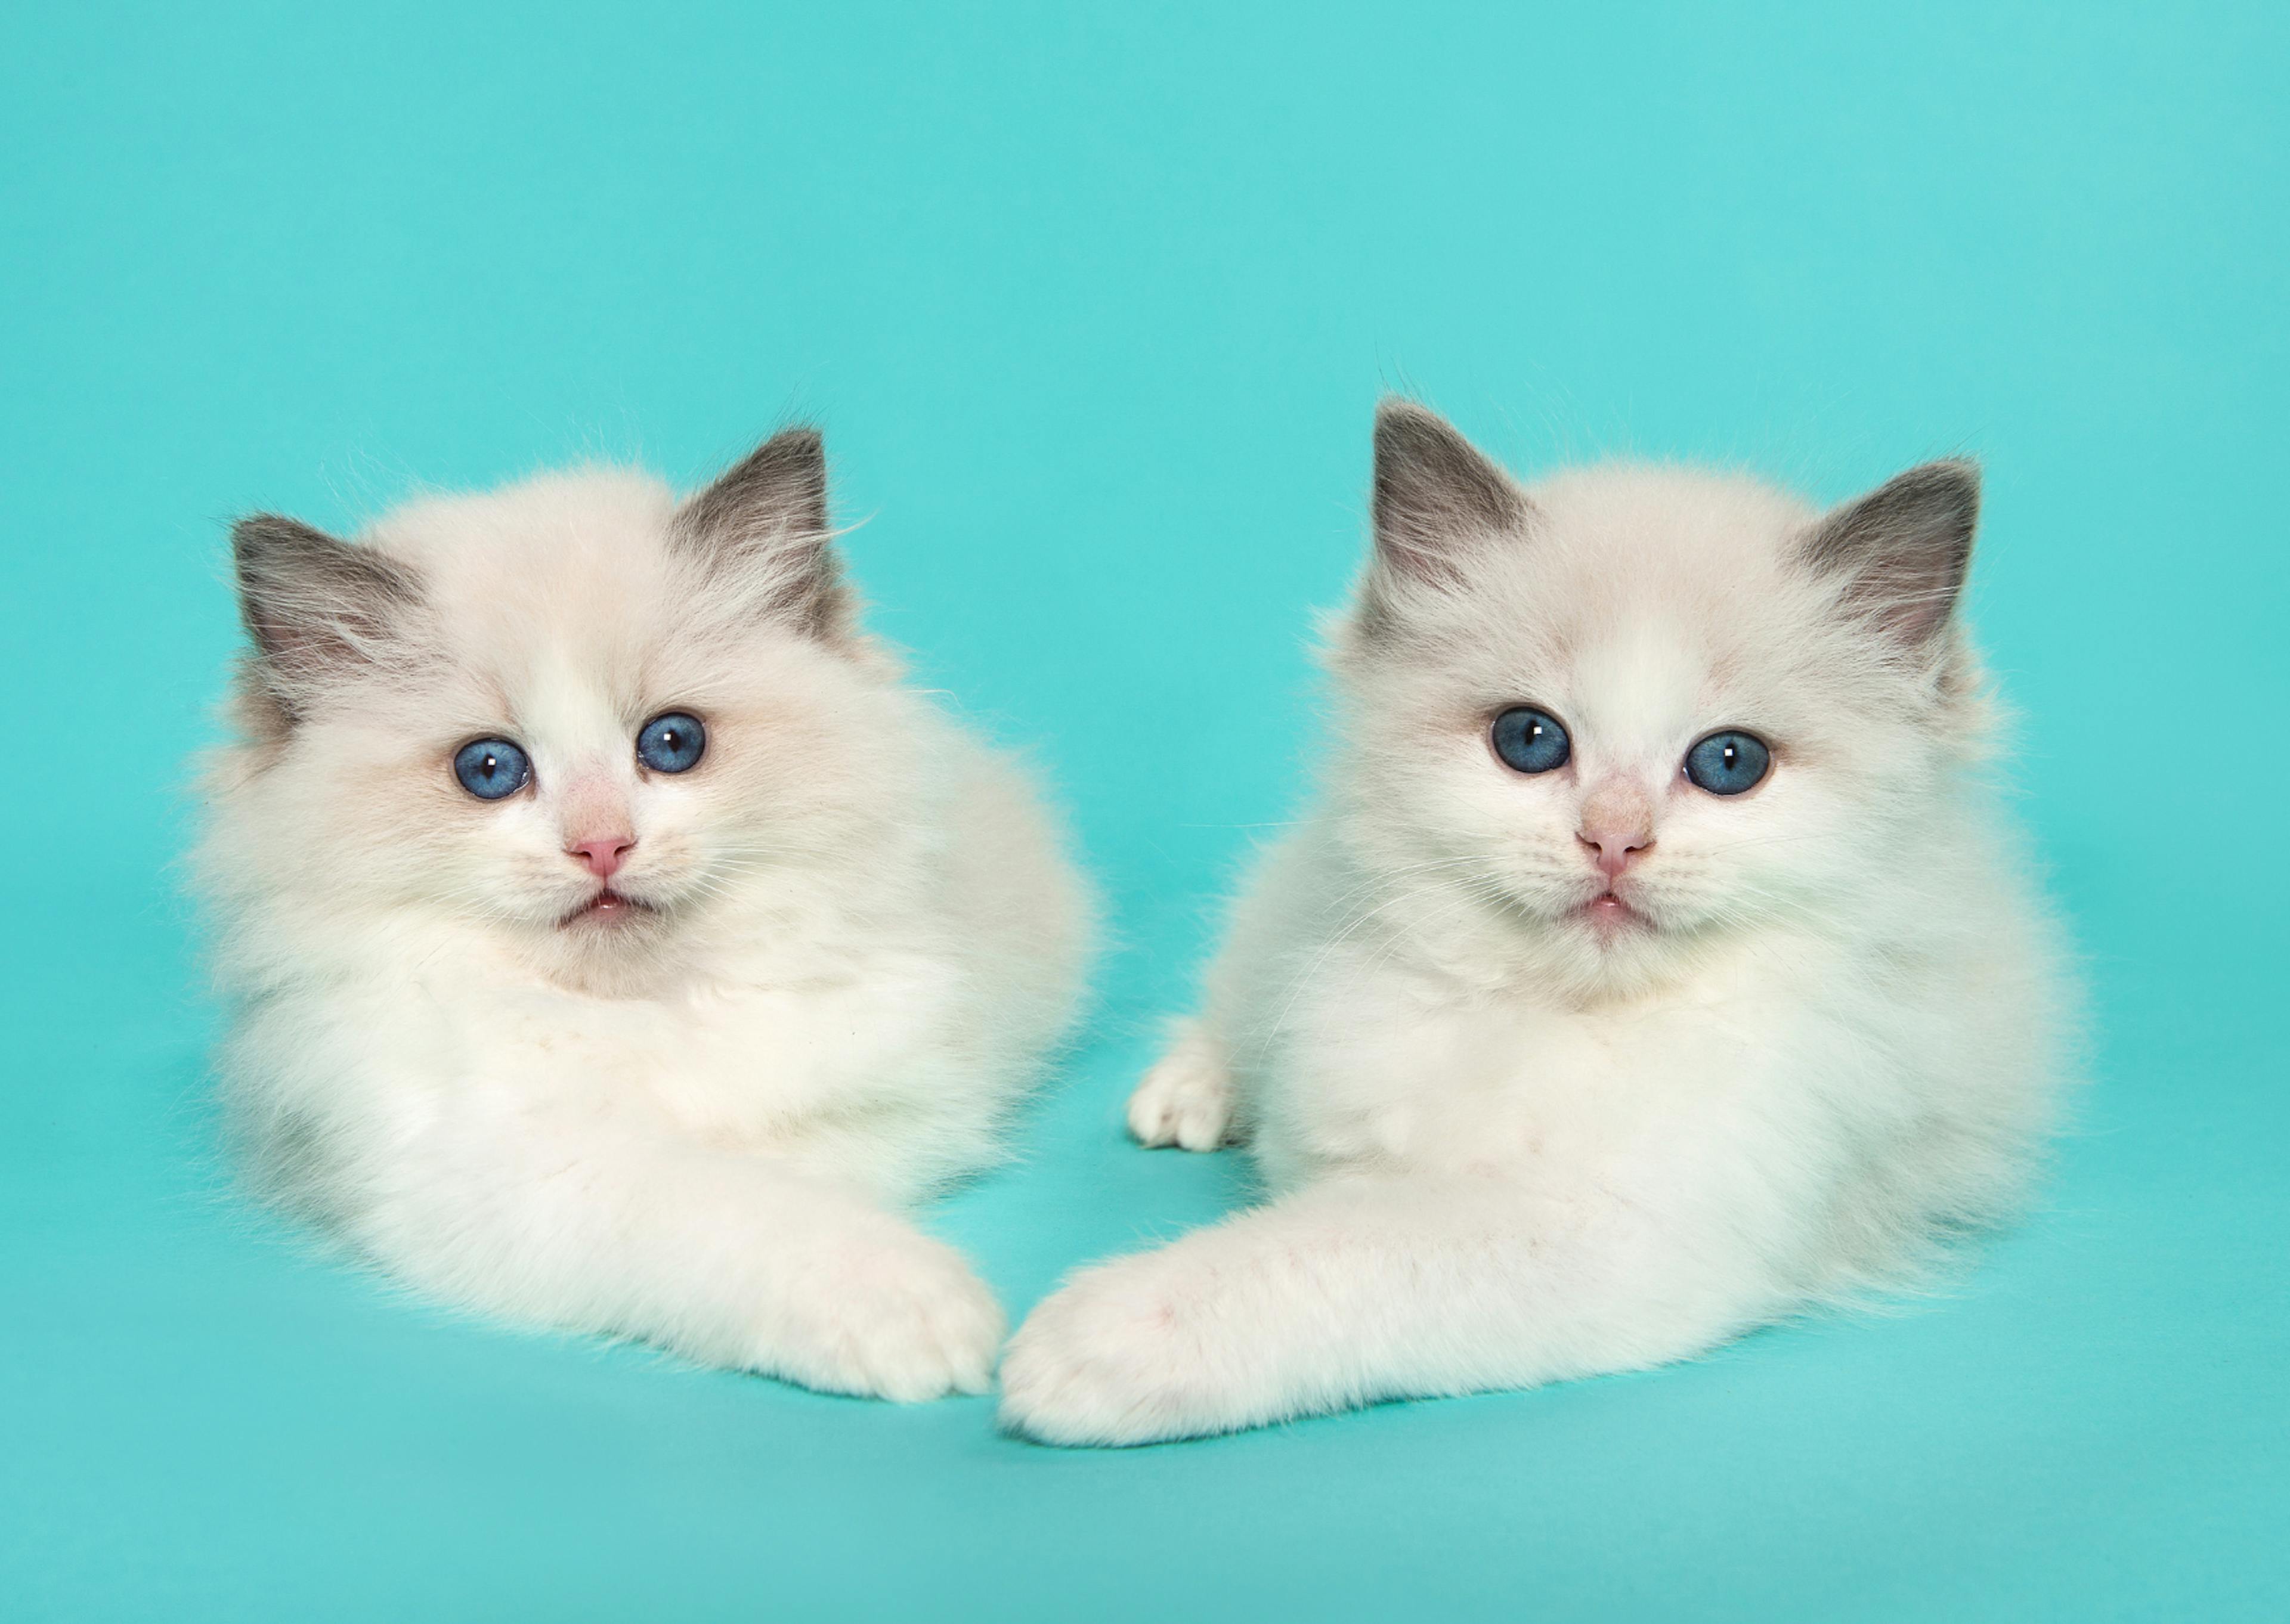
(765, 520)
(318, 609)
(1435, 495)
(1903, 550)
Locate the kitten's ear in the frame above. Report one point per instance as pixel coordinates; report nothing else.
(1437, 498)
(765, 524)
(318, 610)
(1902, 550)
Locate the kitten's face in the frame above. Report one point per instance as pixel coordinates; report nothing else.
(1630, 710)
(571, 716)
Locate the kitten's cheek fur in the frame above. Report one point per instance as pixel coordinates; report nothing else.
(906, 1321)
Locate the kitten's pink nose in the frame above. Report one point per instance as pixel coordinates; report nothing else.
(1617, 824)
(605, 854)
(1614, 850)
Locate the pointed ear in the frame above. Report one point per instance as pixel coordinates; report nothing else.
(1437, 498)
(319, 610)
(1903, 550)
(764, 522)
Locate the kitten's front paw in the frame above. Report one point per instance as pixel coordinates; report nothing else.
(1111, 1359)
(1185, 1100)
(907, 1321)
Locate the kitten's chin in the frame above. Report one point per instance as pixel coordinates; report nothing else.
(1611, 919)
(608, 910)
(613, 944)
(1610, 945)
(1606, 918)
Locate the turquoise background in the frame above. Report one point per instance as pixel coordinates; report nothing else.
(1094, 305)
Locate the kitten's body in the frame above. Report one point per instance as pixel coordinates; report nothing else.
(1507, 1141)
(853, 939)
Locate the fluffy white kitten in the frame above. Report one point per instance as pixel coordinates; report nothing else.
(1653, 963)
(615, 940)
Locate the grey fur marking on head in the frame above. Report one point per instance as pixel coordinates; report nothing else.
(1435, 492)
(769, 510)
(316, 608)
(1905, 548)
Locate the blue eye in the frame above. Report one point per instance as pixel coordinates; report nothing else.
(492, 768)
(1727, 763)
(1530, 740)
(671, 742)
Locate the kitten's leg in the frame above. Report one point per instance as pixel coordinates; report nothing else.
(1361, 1289)
(730, 1260)
(1186, 1098)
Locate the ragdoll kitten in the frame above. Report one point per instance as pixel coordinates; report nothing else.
(615, 941)
(1653, 963)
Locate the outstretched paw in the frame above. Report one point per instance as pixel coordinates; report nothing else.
(907, 1321)
(1109, 1359)
(1187, 1098)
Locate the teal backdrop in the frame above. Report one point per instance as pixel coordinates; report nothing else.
(1094, 303)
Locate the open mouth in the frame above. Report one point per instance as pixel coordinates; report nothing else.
(607, 907)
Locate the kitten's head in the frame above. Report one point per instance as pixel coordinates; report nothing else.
(1635, 708)
(574, 712)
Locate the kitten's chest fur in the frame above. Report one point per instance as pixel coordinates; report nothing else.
(1416, 1069)
(749, 1049)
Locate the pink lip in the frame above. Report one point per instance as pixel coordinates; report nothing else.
(607, 907)
(1608, 913)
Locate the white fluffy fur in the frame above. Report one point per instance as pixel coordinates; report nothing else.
(694, 1126)
(1504, 1146)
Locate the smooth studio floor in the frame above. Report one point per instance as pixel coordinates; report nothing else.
(1094, 309)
